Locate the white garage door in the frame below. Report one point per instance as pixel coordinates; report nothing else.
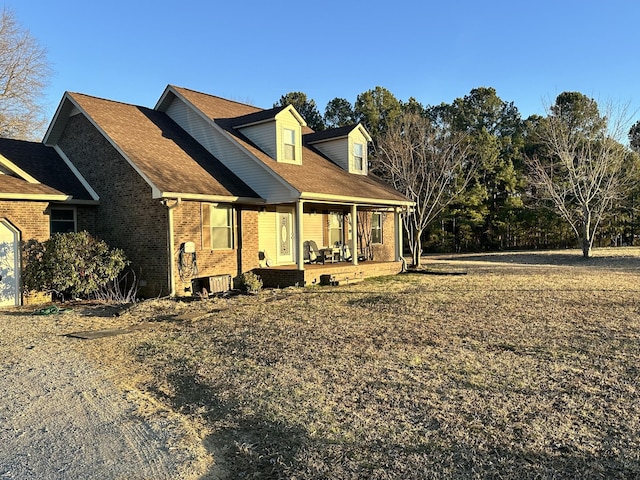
(9, 267)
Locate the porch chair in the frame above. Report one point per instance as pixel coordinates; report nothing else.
(346, 253)
(311, 253)
(314, 252)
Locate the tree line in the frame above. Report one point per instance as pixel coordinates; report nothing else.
(485, 179)
(482, 177)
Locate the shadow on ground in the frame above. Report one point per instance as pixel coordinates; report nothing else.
(573, 259)
(243, 445)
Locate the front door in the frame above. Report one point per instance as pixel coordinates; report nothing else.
(9, 266)
(284, 233)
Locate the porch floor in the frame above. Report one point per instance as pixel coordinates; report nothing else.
(289, 275)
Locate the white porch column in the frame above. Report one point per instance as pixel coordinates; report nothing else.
(398, 222)
(354, 234)
(299, 235)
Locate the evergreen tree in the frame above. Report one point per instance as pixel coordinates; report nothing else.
(339, 113)
(305, 107)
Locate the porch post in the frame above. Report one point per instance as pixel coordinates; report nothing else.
(299, 235)
(398, 222)
(354, 234)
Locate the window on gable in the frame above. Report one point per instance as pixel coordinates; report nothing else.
(376, 228)
(62, 220)
(358, 157)
(289, 144)
(217, 226)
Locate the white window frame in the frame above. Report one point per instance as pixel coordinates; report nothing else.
(339, 228)
(208, 226)
(376, 229)
(289, 144)
(74, 221)
(359, 159)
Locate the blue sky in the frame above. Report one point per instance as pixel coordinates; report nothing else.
(255, 51)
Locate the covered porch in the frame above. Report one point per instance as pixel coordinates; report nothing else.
(311, 232)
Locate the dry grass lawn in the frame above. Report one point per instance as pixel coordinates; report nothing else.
(526, 367)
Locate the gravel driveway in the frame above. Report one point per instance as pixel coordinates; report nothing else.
(61, 417)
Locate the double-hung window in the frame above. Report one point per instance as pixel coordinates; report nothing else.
(335, 229)
(62, 220)
(376, 228)
(358, 157)
(289, 144)
(217, 226)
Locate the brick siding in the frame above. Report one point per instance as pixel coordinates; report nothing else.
(279, 277)
(127, 216)
(386, 251)
(31, 218)
(187, 227)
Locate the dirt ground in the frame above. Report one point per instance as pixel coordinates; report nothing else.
(62, 416)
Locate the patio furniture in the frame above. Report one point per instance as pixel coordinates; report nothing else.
(331, 254)
(315, 255)
(345, 255)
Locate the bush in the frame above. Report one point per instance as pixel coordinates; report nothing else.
(71, 265)
(249, 282)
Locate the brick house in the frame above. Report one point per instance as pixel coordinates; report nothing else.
(200, 189)
(39, 195)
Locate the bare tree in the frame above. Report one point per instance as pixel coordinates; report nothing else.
(581, 168)
(24, 73)
(427, 161)
(364, 234)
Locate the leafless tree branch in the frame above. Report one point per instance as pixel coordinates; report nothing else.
(582, 173)
(24, 74)
(427, 162)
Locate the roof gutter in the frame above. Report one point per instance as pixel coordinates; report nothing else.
(329, 198)
(211, 198)
(45, 197)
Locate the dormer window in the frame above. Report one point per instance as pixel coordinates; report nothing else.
(345, 146)
(289, 144)
(358, 157)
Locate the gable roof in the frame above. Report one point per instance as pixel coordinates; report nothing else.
(318, 178)
(164, 155)
(256, 117)
(334, 133)
(38, 164)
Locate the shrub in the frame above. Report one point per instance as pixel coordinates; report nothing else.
(123, 289)
(249, 282)
(71, 264)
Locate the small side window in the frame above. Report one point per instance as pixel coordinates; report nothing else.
(62, 220)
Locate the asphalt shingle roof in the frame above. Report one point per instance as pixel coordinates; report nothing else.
(329, 133)
(167, 155)
(317, 174)
(10, 185)
(43, 164)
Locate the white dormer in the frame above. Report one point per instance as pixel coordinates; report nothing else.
(277, 132)
(346, 146)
